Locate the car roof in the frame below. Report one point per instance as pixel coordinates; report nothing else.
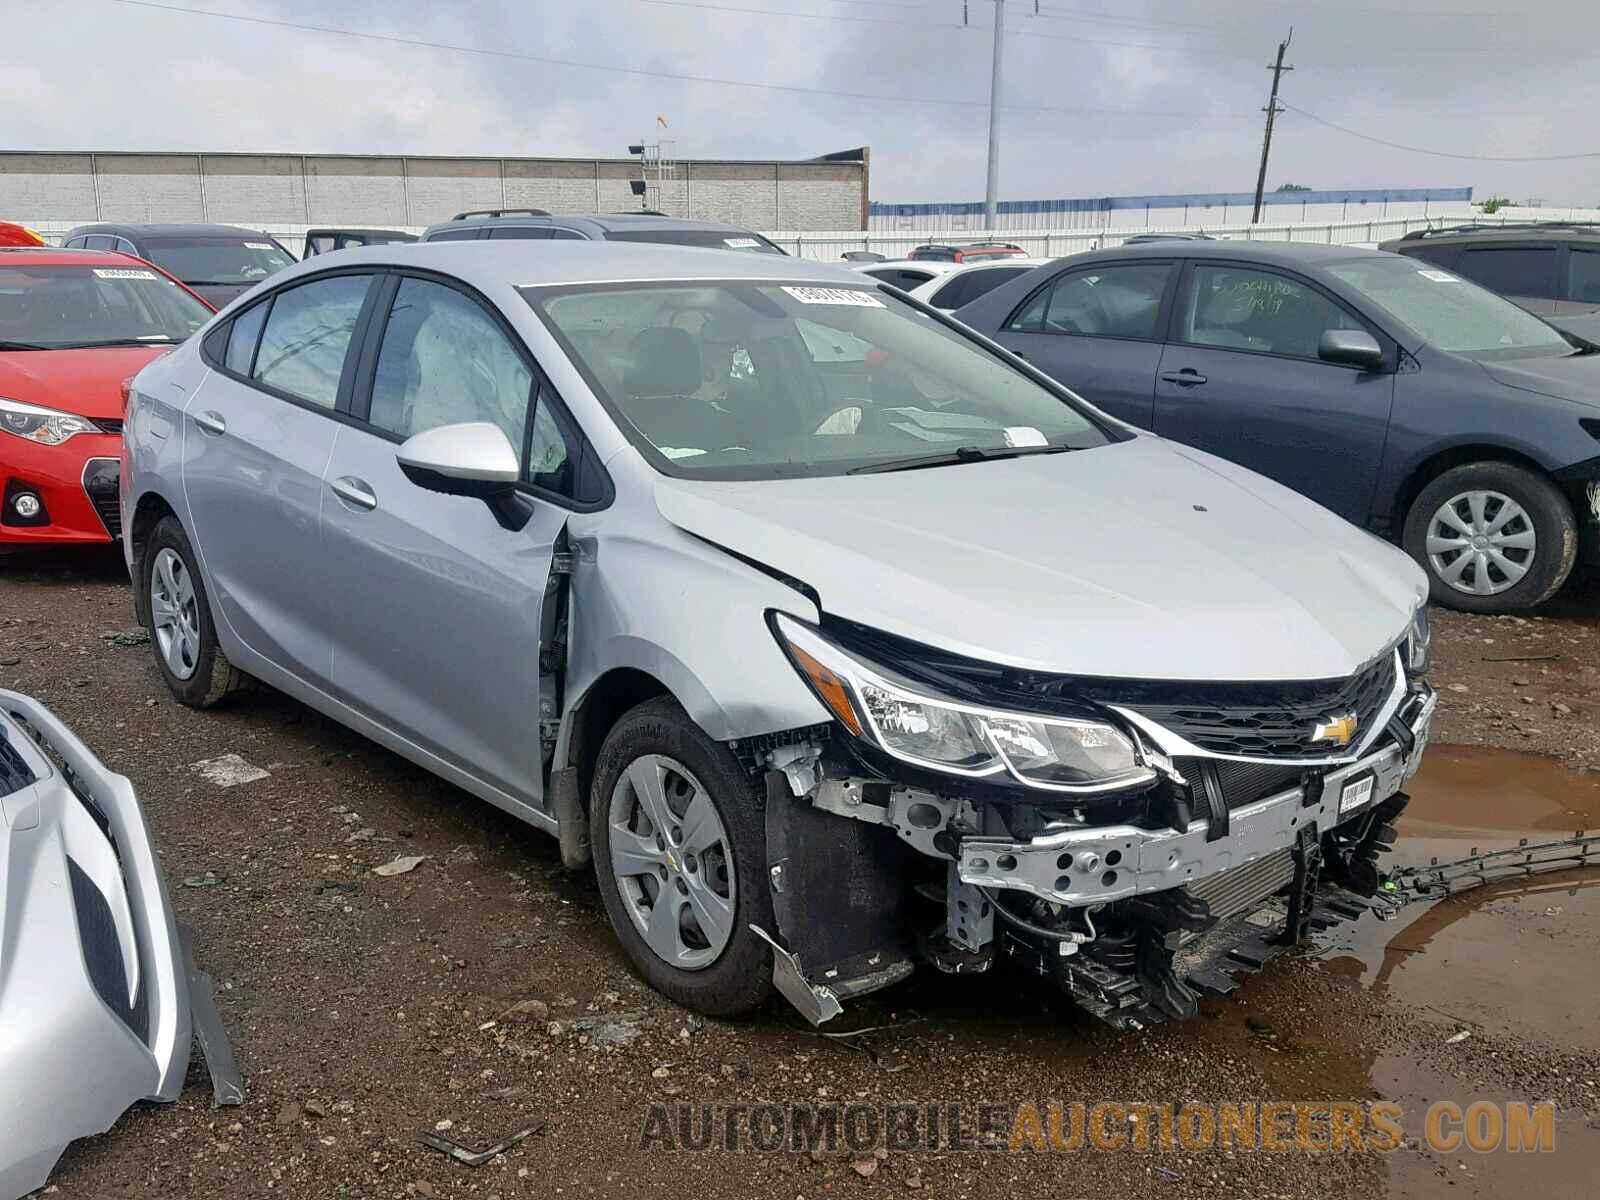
(326, 230)
(1288, 254)
(55, 256)
(1554, 231)
(603, 222)
(196, 230)
(490, 264)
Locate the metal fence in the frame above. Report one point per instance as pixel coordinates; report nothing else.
(1044, 243)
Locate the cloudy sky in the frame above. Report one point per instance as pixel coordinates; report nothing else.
(1102, 97)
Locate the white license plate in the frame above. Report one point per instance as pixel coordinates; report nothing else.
(1356, 793)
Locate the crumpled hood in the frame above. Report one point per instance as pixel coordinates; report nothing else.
(1570, 377)
(87, 383)
(1142, 559)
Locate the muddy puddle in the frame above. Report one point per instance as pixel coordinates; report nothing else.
(1514, 956)
(1513, 959)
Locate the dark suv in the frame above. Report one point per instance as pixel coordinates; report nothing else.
(1397, 394)
(1550, 269)
(535, 223)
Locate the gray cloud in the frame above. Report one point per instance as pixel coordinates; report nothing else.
(102, 75)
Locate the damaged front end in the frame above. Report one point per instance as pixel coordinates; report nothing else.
(1136, 842)
(99, 1000)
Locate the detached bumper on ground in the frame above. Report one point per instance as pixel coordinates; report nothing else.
(99, 1003)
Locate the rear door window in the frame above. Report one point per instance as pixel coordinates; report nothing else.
(521, 233)
(455, 235)
(969, 285)
(1512, 270)
(901, 277)
(1110, 300)
(307, 333)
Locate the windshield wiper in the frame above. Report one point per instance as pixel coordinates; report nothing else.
(961, 454)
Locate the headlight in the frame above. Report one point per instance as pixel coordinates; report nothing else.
(1417, 640)
(1054, 753)
(43, 425)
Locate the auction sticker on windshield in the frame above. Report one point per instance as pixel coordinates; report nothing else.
(259, 246)
(823, 295)
(741, 243)
(122, 273)
(1439, 276)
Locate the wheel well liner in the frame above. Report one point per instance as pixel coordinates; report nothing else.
(1437, 464)
(147, 514)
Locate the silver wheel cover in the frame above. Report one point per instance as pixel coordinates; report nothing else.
(672, 861)
(174, 613)
(1481, 543)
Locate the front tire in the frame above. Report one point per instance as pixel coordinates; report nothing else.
(679, 842)
(1493, 537)
(182, 633)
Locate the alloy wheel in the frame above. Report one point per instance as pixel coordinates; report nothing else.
(1481, 543)
(175, 613)
(672, 861)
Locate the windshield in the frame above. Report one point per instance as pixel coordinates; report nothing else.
(762, 381)
(213, 260)
(52, 308)
(1446, 311)
(710, 239)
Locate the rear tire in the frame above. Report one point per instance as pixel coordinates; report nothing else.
(1493, 537)
(718, 967)
(197, 673)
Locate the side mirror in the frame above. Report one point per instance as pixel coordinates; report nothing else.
(474, 459)
(1350, 348)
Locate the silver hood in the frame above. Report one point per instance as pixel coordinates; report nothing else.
(1143, 559)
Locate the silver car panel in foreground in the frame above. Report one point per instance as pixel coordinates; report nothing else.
(98, 1002)
(886, 603)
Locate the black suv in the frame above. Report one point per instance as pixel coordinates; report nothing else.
(218, 262)
(535, 223)
(1550, 269)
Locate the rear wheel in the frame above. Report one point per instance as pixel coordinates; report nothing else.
(1494, 537)
(680, 852)
(182, 634)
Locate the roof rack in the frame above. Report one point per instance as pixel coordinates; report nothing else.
(1491, 227)
(639, 212)
(501, 212)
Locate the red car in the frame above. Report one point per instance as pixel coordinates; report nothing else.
(74, 324)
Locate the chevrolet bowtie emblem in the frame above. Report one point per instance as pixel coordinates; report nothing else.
(1340, 730)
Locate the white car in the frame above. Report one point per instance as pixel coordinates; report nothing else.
(967, 281)
(907, 274)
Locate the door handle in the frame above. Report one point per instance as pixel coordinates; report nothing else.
(1188, 377)
(211, 422)
(354, 492)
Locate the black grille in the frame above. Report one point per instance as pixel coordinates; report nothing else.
(1270, 720)
(1242, 783)
(108, 424)
(100, 484)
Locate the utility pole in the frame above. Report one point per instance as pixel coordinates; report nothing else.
(991, 193)
(1273, 110)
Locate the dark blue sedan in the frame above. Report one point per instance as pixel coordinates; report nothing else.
(1401, 396)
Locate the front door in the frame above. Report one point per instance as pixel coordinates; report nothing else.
(257, 435)
(436, 633)
(1241, 379)
(1097, 329)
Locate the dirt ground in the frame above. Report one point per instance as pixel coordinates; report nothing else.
(366, 1009)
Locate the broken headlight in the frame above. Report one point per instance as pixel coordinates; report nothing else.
(1065, 754)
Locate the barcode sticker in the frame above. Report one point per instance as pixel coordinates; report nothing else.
(122, 273)
(825, 295)
(1439, 276)
(741, 243)
(259, 246)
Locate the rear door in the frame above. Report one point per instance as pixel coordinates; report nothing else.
(1097, 329)
(436, 633)
(1241, 378)
(257, 436)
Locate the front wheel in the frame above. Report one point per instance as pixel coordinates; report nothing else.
(1493, 537)
(680, 853)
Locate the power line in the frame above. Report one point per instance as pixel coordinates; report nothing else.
(682, 77)
(1366, 137)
